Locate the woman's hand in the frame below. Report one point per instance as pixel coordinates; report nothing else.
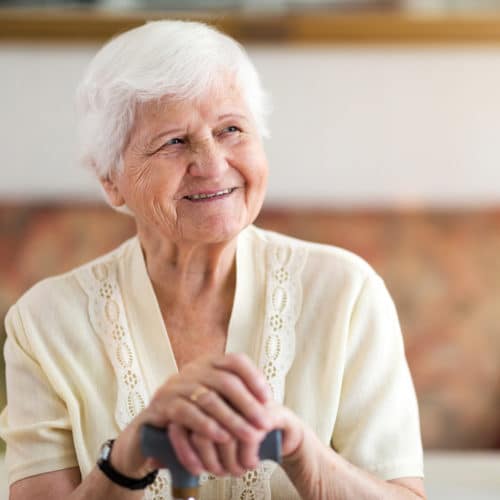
(215, 411)
(235, 457)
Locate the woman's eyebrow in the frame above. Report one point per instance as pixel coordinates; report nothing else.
(232, 115)
(164, 133)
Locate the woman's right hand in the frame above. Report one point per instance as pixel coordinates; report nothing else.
(221, 400)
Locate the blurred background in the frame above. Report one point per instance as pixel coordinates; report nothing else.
(385, 141)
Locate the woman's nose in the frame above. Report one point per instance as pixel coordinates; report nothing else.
(208, 159)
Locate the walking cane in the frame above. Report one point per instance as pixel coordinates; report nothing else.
(185, 486)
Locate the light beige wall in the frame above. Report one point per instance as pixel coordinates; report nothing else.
(351, 126)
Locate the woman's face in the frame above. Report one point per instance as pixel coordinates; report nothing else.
(194, 170)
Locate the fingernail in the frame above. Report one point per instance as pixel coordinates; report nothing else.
(249, 434)
(195, 468)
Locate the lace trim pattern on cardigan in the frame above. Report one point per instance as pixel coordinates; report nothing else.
(283, 301)
(107, 315)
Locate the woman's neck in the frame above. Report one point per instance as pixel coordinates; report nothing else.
(182, 272)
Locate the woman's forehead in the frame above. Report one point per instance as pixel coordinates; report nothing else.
(210, 105)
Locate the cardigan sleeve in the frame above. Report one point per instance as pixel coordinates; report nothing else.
(35, 424)
(377, 426)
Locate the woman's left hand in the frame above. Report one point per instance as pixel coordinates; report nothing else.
(235, 457)
(315, 469)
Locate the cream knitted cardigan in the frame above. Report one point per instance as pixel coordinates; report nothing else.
(87, 349)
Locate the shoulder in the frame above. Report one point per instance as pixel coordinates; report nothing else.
(323, 262)
(58, 297)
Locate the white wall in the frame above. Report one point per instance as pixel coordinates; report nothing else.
(371, 126)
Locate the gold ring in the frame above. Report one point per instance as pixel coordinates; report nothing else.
(199, 391)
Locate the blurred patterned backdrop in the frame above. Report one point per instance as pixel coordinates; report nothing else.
(443, 270)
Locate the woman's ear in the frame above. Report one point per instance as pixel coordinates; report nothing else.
(115, 198)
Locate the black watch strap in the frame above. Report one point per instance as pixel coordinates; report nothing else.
(126, 482)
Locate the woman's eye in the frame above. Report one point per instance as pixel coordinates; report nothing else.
(231, 129)
(174, 141)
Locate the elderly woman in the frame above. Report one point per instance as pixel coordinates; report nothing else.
(202, 324)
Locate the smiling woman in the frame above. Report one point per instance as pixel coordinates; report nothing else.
(194, 169)
(202, 324)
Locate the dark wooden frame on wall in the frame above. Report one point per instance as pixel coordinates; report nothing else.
(308, 28)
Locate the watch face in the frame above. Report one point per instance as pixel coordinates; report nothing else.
(105, 451)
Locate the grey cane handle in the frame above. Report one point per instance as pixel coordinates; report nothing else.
(156, 444)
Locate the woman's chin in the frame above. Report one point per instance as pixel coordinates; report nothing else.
(217, 230)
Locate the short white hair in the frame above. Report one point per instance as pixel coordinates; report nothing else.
(175, 58)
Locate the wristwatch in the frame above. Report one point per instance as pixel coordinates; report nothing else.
(111, 473)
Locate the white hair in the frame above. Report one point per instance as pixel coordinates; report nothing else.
(176, 58)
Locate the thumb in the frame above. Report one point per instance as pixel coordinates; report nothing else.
(291, 426)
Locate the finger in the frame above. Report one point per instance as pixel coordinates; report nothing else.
(207, 452)
(228, 456)
(234, 391)
(248, 454)
(190, 416)
(153, 463)
(225, 415)
(292, 427)
(242, 366)
(185, 453)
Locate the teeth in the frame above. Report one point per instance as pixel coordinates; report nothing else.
(213, 195)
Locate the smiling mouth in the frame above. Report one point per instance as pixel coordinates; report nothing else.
(209, 196)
